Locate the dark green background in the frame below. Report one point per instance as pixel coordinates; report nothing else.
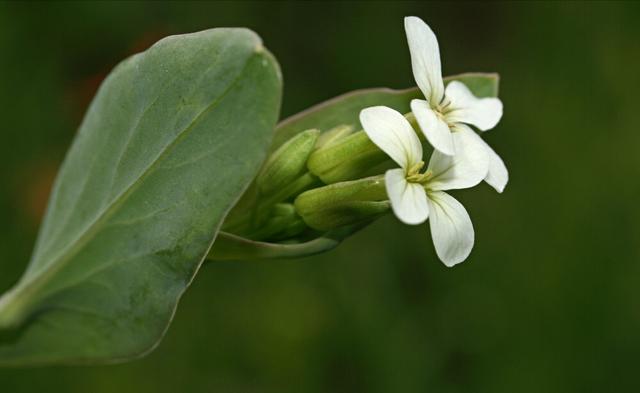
(549, 300)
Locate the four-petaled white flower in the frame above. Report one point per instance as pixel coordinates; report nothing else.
(444, 110)
(416, 195)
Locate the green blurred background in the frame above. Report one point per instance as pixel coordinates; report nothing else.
(549, 300)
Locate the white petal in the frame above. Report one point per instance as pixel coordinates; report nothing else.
(468, 167)
(433, 127)
(393, 134)
(408, 200)
(451, 228)
(483, 113)
(425, 59)
(497, 176)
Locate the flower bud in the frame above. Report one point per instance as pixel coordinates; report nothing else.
(332, 136)
(287, 163)
(282, 223)
(341, 155)
(346, 159)
(343, 203)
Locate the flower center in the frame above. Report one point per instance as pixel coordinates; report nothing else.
(414, 175)
(441, 115)
(442, 110)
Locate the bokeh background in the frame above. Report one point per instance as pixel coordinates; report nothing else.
(549, 300)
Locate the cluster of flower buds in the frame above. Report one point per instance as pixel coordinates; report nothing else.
(320, 181)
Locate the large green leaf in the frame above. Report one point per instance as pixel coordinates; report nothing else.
(340, 110)
(172, 139)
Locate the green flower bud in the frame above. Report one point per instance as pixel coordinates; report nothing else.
(295, 187)
(346, 159)
(287, 163)
(282, 223)
(344, 203)
(331, 137)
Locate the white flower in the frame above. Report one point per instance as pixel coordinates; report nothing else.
(416, 195)
(445, 109)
